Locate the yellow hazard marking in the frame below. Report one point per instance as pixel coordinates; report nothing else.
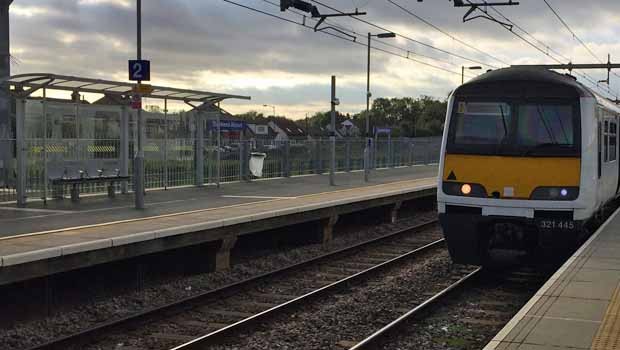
(151, 148)
(99, 149)
(608, 335)
(49, 148)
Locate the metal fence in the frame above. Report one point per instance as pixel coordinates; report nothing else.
(172, 163)
(91, 138)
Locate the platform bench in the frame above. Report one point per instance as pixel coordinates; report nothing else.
(75, 174)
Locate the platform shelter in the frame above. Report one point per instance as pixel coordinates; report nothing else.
(53, 135)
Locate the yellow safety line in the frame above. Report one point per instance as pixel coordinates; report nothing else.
(608, 334)
(194, 211)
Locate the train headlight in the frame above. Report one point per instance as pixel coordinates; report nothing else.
(555, 193)
(466, 189)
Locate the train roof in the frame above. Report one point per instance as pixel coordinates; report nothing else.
(531, 74)
(538, 75)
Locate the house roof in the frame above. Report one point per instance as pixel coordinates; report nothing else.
(290, 127)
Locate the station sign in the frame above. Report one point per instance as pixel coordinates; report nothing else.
(143, 89)
(383, 131)
(139, 70)
(227, 125)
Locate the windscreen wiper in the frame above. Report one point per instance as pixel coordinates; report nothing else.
(540, 146)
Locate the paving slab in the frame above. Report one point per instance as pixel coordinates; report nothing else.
(38, 243)
(579, 307)
(60, 214)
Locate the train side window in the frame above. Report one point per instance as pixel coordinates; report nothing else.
(606, 141)
(600, 145)
(613, 137)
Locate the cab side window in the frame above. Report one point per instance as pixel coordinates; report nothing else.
(613, 137)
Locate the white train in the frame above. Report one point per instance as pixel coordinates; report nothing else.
(529, 158)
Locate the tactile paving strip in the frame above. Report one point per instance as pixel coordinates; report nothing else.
(608, 335)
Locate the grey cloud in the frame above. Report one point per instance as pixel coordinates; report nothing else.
(185, 37)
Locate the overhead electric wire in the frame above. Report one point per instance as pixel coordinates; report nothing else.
(340, 37)
(427, 22)
(407, 37)
(571, 31)
(360, 36)
(585, 46)
(585, 76)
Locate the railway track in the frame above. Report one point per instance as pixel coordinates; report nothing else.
(225, 311)
(485, 301)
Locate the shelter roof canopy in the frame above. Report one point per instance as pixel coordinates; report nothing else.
(25, 84)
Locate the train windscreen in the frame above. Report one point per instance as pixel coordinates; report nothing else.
(514, 129)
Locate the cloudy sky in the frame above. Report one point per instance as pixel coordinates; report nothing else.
(217, 46)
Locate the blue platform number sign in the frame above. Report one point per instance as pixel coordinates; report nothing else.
(139, 70)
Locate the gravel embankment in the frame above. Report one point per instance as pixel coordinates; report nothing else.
(351, 315)
(72, 318)
(469, 320)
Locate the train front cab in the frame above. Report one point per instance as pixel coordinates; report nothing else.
(512, 172)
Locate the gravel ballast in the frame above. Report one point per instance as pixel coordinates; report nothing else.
(73, 317)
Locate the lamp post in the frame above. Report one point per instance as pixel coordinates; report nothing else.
(273, 107)
(463, 72)
(139, 159)
(367, 148)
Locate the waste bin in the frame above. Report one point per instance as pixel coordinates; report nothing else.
(256, 163)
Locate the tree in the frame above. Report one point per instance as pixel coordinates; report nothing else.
(252, 117)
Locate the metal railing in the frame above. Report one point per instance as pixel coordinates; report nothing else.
(172, 163)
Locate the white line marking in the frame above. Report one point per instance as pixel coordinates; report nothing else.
(33, 210)
(258, 197)
(563, 319)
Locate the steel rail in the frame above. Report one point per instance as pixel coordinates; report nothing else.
(214, 337)
(374, 339)
(83, 337)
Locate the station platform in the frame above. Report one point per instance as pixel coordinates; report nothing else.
(579, 307)
(59, 236)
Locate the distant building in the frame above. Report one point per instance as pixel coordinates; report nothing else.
(286, 129)
(261, 131)
(348, 129)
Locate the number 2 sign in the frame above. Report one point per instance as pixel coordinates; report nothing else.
(139, 70)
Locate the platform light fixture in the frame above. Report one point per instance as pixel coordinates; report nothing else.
(463, 72)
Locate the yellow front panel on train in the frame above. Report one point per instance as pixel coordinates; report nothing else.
(520, 175)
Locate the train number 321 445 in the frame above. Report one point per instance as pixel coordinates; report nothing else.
(557, 224)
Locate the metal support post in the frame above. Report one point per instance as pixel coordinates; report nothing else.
(373, 153)
(78, 125)
(219, 147)
(139, 187)
(315, 155)
(20, 115)
(390, 157)
(244, 155)
(200, 148)
(368, 145)
(332, 135)
(241, 147)
(45, 177)
(124, 170)
(347, 154)
(210, 156)
(166, 143)
(287, 159)
(6, 149)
